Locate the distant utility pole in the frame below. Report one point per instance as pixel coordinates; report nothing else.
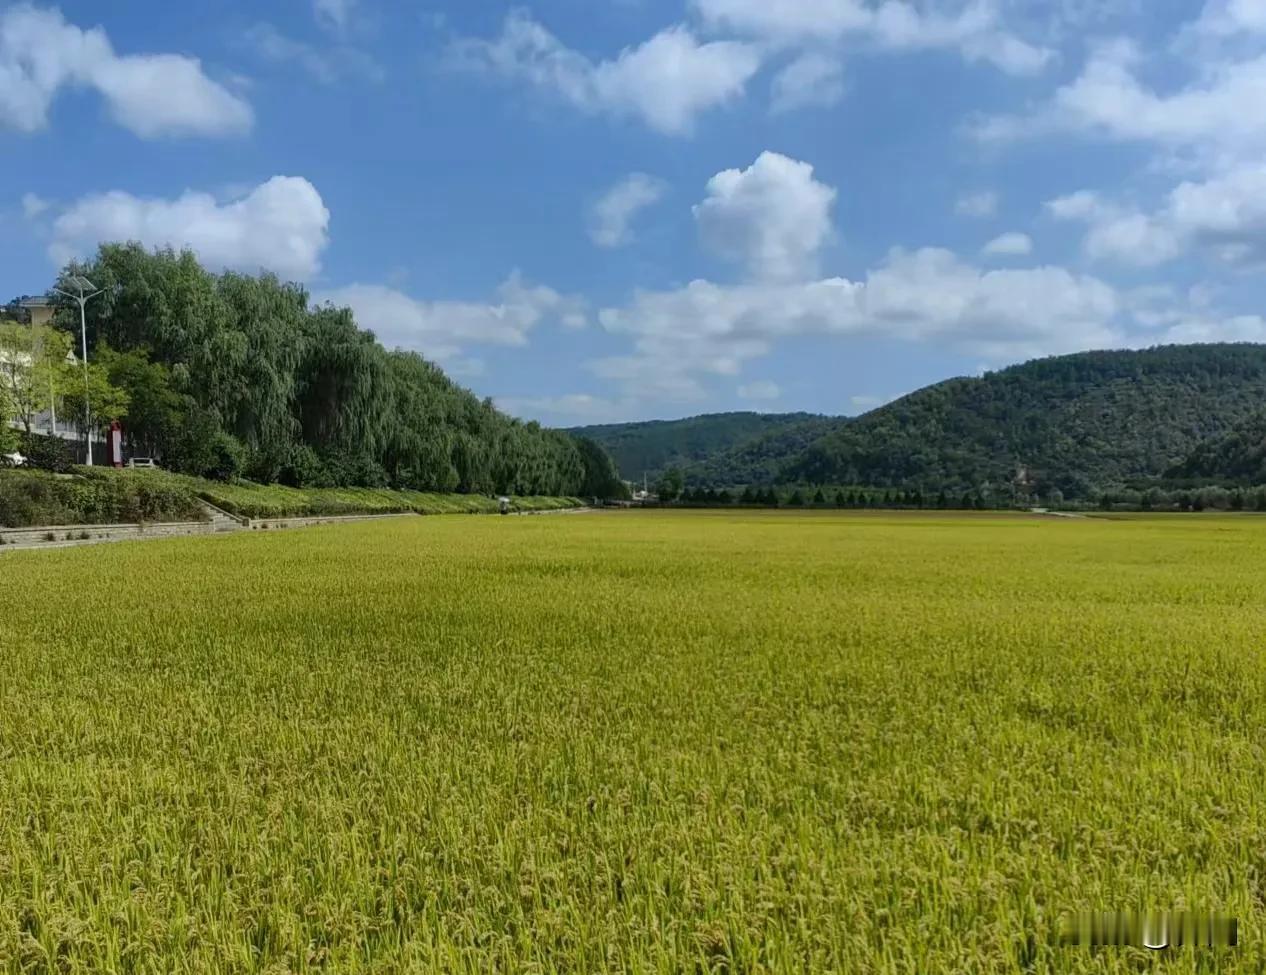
(85, 290)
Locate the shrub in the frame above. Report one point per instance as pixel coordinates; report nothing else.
(94, 496)
(226, 458)
(47, 453)
(304, 469)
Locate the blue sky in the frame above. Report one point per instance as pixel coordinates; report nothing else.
(631, 209)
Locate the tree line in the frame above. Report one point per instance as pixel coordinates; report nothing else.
(234, 375)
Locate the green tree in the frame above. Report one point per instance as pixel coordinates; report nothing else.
(797, 499)
(155, 411)
(89, 393)
(670, 485)
(34, 371)
(819, 497)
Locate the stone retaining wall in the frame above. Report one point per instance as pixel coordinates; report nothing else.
(60, 536)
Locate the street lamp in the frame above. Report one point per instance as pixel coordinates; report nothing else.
(84, 290)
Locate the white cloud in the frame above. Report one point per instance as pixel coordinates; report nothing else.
(1009, 245)
(442, 329)
(1224, 214)
(33, 205)
(579, 408)
(979, 205)
(1216, 113)
(611, 216)
(326, 66)
(762, 390)
(773, 216)
(811, 80)
(927, 295)
(150, 94)
(1222, 18)
(974, 31)
(281, 226)
(667, 82)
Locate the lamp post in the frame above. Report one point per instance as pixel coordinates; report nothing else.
(84, 290)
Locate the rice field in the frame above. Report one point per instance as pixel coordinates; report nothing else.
(633, 742)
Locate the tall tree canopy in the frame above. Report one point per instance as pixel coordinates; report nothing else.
(232, 373)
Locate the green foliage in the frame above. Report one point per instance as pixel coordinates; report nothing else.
(97, 495)
(94, 496)
(156, 412)
(34, 372)
(225, 374)
(652, 447)
(601, 479)
(760, 460)
(90, 392)
(46, 453)
(278, 501)
(670, 485)
(1238, 456)
(1078, 424)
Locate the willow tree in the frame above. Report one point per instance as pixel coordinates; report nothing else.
(34, 371)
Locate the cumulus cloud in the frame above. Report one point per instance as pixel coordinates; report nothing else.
(979, 205)
(612, 215)
(152, 95)
(974, 30)
(1009, 245)
(441, 330)
(927, 295)
(681, 337)
(763, 390)
(667, 82)
(1224, 215)
(1215, 113)
(811, 80)
(773, 217)
(280, 226)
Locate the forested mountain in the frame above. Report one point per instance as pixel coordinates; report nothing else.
(653, 446)
(1074, 423)
(1236, 457)
(227, 374)
(762, 459)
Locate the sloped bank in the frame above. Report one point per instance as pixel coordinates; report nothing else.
(101, 501)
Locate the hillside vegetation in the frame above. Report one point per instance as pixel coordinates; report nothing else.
(227, 375)
(1236, 457)
(1076, 424)
(100, 496)
(654, 446)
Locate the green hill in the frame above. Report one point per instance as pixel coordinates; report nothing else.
(1076, 423)
(762, 459)
(1236, 457)
(653, 446)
